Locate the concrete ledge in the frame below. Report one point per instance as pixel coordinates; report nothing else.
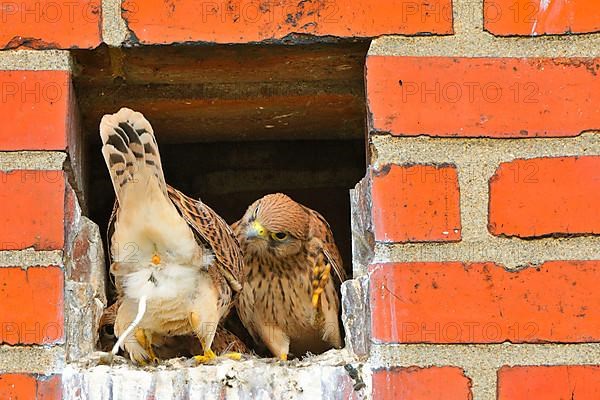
(322, 376)
(35, 60)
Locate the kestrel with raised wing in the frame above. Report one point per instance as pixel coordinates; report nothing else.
(290, 300)
(177, 264)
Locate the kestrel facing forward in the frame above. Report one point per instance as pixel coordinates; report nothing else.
(289, 302)
(172, 257)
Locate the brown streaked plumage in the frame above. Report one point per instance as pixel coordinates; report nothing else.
(289, 301)
(165, 247)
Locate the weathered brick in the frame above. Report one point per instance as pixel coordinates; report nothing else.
(31, 305)
(554, 196)
(549, 382)
(416, 203)
(530, 18)
(30, 387)
(38, 105)
(32, 212)
(421, 383)
(484, 303)
(46, 24)
(491, 97)
(156, 21)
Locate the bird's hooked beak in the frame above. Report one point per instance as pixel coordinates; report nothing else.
(256, 230)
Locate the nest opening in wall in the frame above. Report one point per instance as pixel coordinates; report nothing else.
(234, 123)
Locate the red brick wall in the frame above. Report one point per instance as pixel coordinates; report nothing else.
(25, 386)
(484, 178)
(33, 225)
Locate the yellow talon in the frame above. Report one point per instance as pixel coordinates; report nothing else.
(326, 272)
(195, 321)
(320, 276)
(233, 356)
(208, 356)
(141, 362)
(143, 339)
(140, 336)
(209, 353)
(156, 259)
(283, 357)
(315, 300)
(315, 297)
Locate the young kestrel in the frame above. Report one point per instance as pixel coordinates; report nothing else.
(177, 264)
(289, 302)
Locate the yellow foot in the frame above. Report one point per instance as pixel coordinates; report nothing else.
(320, 277)
(142, 362)
(283, 357)
(233, 356)
(208, 356)
(144, 339)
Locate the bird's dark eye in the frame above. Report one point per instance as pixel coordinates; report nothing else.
(108, 330)
(279, 236)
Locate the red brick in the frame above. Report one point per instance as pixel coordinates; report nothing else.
(549, 383)
(30, 387)
(32, 212)
(38, 105)
(157, 21)
(491, 97)
(416, 203)
(484, 303)
(528, 17)
(47, 24)
(555, 196)
(421, 383)
(31, 305)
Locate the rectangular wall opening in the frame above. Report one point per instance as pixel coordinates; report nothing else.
(234, 123)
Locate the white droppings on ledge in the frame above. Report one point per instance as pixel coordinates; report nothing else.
(315, 377)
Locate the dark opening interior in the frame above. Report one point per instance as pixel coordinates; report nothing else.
(234, 123)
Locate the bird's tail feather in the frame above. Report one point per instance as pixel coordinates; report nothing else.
(130, 150)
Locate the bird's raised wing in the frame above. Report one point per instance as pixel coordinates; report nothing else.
(210, 228)
(214, 231)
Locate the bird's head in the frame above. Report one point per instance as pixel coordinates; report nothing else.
(275, 224)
